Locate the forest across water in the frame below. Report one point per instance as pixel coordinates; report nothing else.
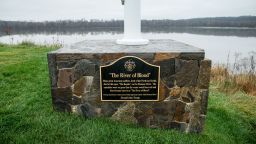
(164, 25)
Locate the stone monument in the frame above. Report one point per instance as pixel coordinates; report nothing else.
(156, 83)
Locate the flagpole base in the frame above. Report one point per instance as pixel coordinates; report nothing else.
(132, 42)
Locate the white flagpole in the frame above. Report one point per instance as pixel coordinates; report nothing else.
(132, 24)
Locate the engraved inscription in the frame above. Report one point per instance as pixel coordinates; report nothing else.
(130, 79)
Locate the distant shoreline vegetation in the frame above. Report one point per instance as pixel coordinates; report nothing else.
(165, 25)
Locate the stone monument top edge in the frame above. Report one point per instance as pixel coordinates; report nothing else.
(110, 46)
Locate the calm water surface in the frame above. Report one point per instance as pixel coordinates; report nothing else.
(217, 47)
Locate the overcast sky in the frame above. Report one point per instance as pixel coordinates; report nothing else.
(41, 10)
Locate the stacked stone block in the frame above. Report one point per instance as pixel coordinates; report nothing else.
(185, 77)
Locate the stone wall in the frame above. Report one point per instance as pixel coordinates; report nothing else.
(185, 77)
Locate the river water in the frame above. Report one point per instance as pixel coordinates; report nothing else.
(221, 46)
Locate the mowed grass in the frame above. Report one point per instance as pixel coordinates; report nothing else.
(26, 114)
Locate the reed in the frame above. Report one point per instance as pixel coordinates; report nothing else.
(241, 76)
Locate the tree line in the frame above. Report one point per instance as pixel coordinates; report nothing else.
(10, 27)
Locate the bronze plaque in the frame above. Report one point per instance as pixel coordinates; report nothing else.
(129, 79)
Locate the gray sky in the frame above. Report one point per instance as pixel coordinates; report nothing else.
(41, 10)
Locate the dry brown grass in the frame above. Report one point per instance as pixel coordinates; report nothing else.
(231, 82)
(239, 76)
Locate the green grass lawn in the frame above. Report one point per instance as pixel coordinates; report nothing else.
(26, 114)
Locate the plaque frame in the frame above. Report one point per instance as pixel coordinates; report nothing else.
(112, 63)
